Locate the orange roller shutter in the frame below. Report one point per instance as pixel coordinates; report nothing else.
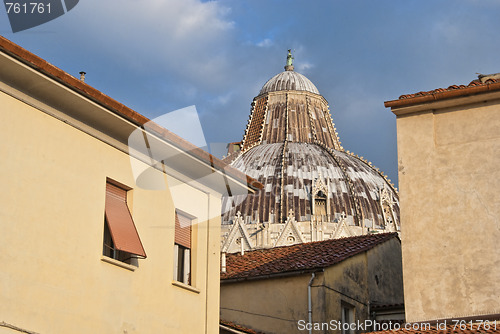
(182, 230)
(121, 225)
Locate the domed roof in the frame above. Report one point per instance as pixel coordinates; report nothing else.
(313, 189)
(351, 186)
(289, 80)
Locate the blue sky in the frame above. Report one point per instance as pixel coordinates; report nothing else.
(159, 56)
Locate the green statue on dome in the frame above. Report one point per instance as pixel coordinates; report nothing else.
(289, 61)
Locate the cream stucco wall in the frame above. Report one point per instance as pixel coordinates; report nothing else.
(449, 180)
(271, 305)
(53, 280)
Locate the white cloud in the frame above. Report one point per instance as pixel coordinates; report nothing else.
(448, 31)
(265, 43)
(223, 99)
(186, 38)
(303, 66)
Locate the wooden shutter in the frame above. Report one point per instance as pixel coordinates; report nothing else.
(120, 222)
(182, 230)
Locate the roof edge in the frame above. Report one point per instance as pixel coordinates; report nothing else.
(443, 94)
(275, 275)
(80, 87)
(235, 328)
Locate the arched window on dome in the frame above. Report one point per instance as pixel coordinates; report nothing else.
(320, 201)
(320, 204)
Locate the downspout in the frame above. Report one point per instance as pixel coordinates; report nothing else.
(223, 262)
(309, 301)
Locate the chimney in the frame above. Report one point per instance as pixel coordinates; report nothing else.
(82, 76)
(485, 77)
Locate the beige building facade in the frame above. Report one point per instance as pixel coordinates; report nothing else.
(449, 178)
(84, 247)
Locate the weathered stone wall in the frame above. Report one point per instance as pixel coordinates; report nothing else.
(449, 180)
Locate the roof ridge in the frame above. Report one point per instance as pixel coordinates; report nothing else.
(477, 86)
(299, 258)
(320, 241)
(473, 83)
(448, 328)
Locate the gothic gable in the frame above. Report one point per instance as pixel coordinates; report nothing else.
(237, 235)
(343, 230)
(291, 233)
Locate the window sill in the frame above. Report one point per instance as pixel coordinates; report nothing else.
(185, 286)
(118, 263)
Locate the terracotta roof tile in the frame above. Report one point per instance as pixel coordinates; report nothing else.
(473, 83)
(468, 328)
(483, 85)
(299, 257)
(238, 327)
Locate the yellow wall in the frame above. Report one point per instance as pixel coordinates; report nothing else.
(53, 280)
(270, 305)
(450, 210)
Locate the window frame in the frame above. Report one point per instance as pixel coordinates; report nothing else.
(121, 228)
(351, 315)
(182, 264)
(183, 251)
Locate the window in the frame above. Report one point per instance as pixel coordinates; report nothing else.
(347, 318)
(320, 205)
(182, 249)
(121, 240)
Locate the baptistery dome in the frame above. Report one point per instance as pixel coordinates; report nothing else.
(313, 189)
(289, 80)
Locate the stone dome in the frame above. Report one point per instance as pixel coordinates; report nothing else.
(303, 176)
(289, 80)
(313, 189)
